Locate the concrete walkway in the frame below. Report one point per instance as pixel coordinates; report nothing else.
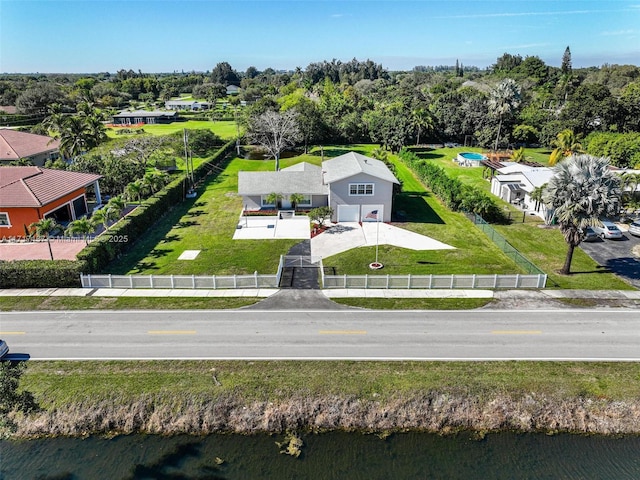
(329, 293)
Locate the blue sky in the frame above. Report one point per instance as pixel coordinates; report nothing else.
(83, 36)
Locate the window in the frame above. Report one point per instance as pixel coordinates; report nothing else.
(361, 189)
(264, 202)
(306, 202)
(4, 220)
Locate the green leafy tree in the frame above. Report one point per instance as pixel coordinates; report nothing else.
(135, 190)
(44, 228)
(320, 215)
(582, 191)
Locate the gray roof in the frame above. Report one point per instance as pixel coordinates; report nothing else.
(351, 164)
(144, 113)
(303, 178)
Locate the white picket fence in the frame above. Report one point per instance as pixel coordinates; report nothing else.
(180, 281)
(434, 281)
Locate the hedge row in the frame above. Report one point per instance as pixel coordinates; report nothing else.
(40, 273)
(121, 236)
(456, 195)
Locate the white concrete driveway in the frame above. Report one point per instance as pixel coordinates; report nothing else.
(345, 236)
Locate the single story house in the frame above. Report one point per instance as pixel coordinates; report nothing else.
(356, 187)
(37, 149)
(192, 105)
(513, 182)
(142, 116)
(29, 194)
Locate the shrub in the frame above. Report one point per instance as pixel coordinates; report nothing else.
(40, 273)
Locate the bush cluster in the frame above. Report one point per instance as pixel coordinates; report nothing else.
(623, 149)
(40, 273)
(454, 194)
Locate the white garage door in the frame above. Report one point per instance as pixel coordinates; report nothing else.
(348, 213)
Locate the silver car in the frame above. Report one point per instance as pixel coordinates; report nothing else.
(4, 348)
(634, 228)
(608, 230)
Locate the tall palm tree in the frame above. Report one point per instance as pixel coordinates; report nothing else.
(566, 144)
(134, 190)
(537, 194)
(503, 101)
(44, 228)
(421, 120)
(295, 199)
(581, 191)
(104, 215)
(81, 226)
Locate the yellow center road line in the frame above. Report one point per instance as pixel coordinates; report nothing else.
(12, 333)
(516, 332)
(172, 332)
(342, 332)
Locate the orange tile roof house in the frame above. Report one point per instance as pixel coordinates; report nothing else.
(15, 145)
(29, 194)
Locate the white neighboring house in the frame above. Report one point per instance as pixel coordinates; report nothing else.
(514, 183)
(192, 105)
(356, 187)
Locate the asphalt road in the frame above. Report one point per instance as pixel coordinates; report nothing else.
(616, 256)
(249, 334)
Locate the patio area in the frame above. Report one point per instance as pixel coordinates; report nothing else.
(256, 228)
(64, 249)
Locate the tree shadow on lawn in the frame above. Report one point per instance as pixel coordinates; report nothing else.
(412, 207)
(186, 223)
(133, 259)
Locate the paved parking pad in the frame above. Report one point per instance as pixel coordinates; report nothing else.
(617, 255)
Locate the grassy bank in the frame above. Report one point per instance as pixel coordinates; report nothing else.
(121, 303)
(203, 397)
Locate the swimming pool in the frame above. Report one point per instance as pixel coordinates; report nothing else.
(470, 159)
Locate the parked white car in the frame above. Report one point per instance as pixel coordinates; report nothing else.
(634, 228)
(608, 230)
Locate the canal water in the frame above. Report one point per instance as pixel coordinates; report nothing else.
(335, 455)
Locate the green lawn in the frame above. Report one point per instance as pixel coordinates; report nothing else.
(224, 129)
(206, 223)
(60, 384)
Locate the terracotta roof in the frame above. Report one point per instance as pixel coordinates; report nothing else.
(15, 145)
(35, 186)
